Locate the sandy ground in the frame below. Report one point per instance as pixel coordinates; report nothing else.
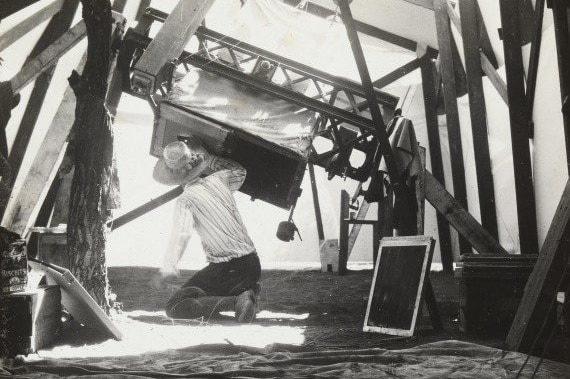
(330, 308)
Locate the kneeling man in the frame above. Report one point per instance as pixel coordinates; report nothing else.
(230, 280)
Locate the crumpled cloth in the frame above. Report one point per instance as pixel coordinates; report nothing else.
(238, 106)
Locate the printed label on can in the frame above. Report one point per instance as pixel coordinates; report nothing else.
(14, 267)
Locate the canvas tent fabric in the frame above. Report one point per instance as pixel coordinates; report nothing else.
(444, 359)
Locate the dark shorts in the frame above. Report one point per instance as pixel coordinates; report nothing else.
(228, 278)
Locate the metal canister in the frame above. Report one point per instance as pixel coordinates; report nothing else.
(14, 267)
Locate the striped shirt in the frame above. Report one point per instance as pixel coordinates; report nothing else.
(208, 207)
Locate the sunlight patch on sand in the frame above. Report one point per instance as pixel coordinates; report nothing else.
(159, 333)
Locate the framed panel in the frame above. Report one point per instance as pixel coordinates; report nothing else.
(396, 291)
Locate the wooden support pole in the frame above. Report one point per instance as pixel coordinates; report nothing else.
(343, 234)
(524, 186)
(316, 204)
(381, 134)
(494, 77)
(49, 56)
(17, 31)
(169, 42)
(430, 105)
(544, 281)
(459, 218)
(448, 77)
(533, 62)
(10, 7)
(485, 182)
(145, 208)
(398, 73)
(56, 28)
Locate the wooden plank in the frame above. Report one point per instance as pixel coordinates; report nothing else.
(534, 58)
(144, 4)
(384, 143)
(16, 32)
(453, 16)
(448, 69)
(25, 203)
(396, 74)
(430, 104)
(355, 230)
(343, 233)
(544, 281)
(169, 42)
(484, 41)
(57, 27)
(316, 204)
(43, 61)
(427, 4)
(494, 77)
(468, 13)
(524, 186)
(145, 208)
(9, 7)
(459, 218)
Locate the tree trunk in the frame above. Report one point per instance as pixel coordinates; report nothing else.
(93, 189)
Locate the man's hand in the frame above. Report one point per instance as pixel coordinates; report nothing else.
(158, 282)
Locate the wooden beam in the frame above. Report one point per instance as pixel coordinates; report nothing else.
(459, 218)
(144, 4)
(43, 61)
(453, 16)
(343, 233)
(374, 108)
(8, 7)
(430, 106)
(494, 77)
(355, 230)
(145, 208)
(448, 68)
(397, 74)
(169, 42)
(524, 186)
(485, 183)
(427, 4)
(544, 281)
(17, 31)
(484, 41)
(533, 60)
(527, 20)
(316, 203)
(57, 27)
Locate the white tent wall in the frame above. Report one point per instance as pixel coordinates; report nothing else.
(550, 167)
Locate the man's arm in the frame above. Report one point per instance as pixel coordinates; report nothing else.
(232, 172)
(182, 229)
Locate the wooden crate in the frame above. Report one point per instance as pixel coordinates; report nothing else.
(490, 290)
(29, 320)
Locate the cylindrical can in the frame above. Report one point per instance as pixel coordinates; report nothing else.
(14, 267)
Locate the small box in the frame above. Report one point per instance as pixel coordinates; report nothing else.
(328, 251)
(29, 320)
